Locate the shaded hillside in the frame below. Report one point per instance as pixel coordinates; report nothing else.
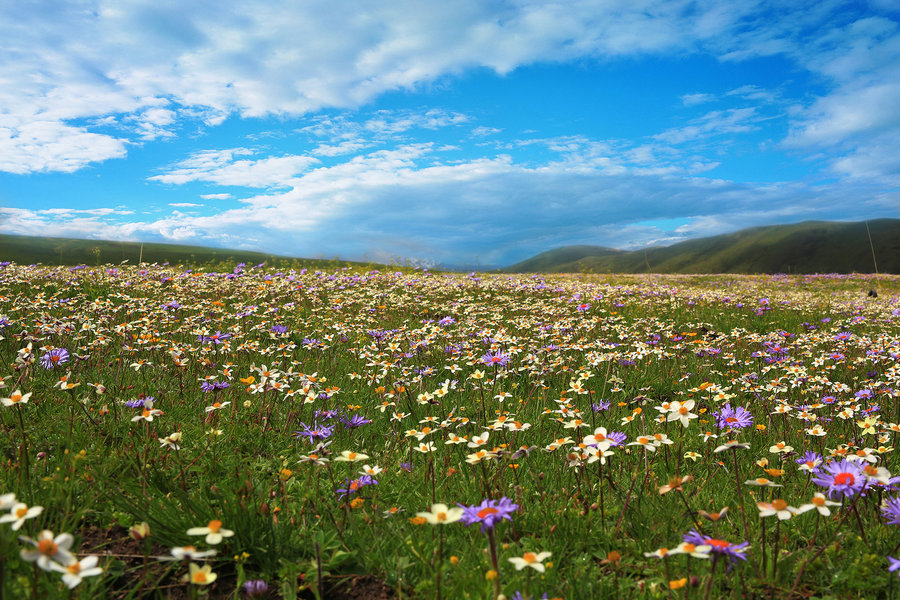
(808, 247)
(68, 251)
(549, 260)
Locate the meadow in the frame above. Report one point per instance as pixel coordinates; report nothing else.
(350, 433)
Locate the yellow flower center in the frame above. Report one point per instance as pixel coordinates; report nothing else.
(74, 568)
(688, 547)
(818, 501)
(441, 516)
(779, 504)
(199, 577)
(21, 512)
(214, 526)
(530, 557)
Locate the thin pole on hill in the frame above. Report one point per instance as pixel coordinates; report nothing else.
(141, 255)
(875, 262)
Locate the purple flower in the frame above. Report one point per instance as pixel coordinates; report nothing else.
(446, 321)
(316, 433)
(211, 385)
(496, 359)
(351, 486)
(734, 552)
(140, 401)
(55, 357)
(810, 459)
(890, 510)
(217, 338)
(735, 418)
(489, 513)
(408, 467)
(893, 564)
(278, 329)
(256, 587)
(842, 478)
(355, 421)
(616, 438)
(600, 406)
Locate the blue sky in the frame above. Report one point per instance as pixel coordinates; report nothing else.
(465, 132)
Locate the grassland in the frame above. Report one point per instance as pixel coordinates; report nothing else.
(297, 429)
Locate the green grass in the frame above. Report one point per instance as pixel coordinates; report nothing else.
(383, 342)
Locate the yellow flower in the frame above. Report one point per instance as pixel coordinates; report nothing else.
(678, 583)
(491, 575)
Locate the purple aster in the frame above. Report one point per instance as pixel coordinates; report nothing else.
(734, 552)
(842, 478)
(406, 466)
(351, 486)
(355, 421)
(315, 433)
(278, 329)
(326, 414)
(893, 564)
(890, 510)
(217, 338)
(600, 406)
(496, 359)
(212, 386)
(810, 459)
(55, 357)
(256, 587)
(489, 513)
(140, 401)
(735, 418)
(616, 438)
(446, 321)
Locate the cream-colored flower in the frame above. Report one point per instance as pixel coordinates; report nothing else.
(530, 559)
(214, 532)
(441, 515)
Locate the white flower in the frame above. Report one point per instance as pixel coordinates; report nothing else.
(441, 515)
(530, 559)
(74, 571)
(19, 513)
(17, 397)
(350, 456)
(213, 532)
(48, 548)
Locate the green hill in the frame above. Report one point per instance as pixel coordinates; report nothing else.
(69, 251)
(808, 247)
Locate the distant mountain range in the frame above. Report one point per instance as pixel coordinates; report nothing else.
(808, 247)
(27, 250)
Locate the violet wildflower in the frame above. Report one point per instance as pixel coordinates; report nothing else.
(405, 466)
(355, 421)
(734, 552)
(842, 478)
(55, 357)
(316, 433)
(278, 329)
(217, 338)
(890, 510)
(496, 359)
(616, 438)
(256, 587)
(735, 418)
(600, 406)
(212, 386)
(140, 402)
(489, 513)
(446, 321)
(893, 564)
(352, 486)
(810, 461)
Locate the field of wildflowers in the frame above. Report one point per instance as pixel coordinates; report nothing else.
(292, 434)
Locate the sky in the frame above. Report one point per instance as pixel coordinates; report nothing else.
(471, 132)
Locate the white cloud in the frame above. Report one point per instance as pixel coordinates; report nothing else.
(152, 64)
(218, 167)
(187, 204)
(224, 196)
